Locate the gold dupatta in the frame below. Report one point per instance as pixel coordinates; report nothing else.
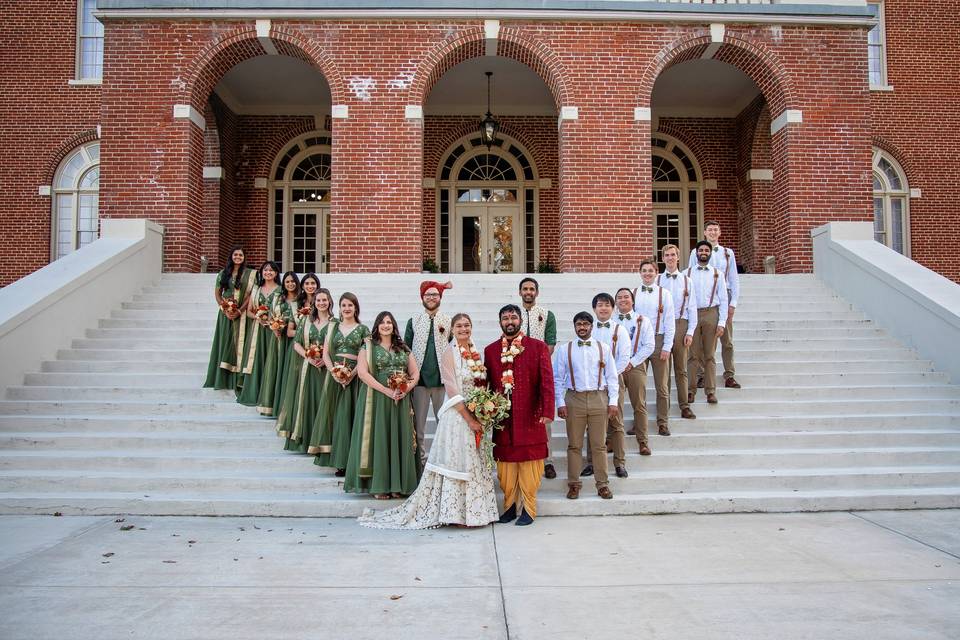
(304, 368)
(366, 465)
(247, 280)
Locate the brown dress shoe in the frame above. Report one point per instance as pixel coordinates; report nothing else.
(644, 450)
(691, 397)
(712, 398)
(663, 430)
(549, 472)
(605, 493)
(731, 384)
(573, 492)
(622, 472)
(686, 413)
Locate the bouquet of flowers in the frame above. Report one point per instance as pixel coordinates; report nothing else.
(229, 305)
(303, 311)
(262, 312)
(490, 408)
(278, 322)
(398, 381)
(314, 351)
(341, 371)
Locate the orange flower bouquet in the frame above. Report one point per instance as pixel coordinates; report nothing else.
(341, 371)
(262, 312)
(303, 311)
(278, 322)
(490, 409)
(314, 351)
(229, 306)
(398, 381)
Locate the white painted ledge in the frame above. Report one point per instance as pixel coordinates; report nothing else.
(46, 310)
(917, 306)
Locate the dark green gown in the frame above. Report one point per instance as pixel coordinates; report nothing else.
(260, 357)
(303, 393)
(383, 457)
(334, 420)
(229, 338)
(284, 348)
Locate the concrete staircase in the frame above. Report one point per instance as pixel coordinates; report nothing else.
(833, 414)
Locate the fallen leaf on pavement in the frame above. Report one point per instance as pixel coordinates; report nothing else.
(127, 527)
(395, 597)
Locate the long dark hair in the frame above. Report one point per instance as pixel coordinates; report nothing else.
(223, 279)
(396, 342)
(283, 286)
(313, 309)
(267, 263)
(302, 296)
(356, 305)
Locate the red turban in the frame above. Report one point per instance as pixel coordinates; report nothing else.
(433, 284)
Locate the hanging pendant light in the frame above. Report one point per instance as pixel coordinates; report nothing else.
(489, 125)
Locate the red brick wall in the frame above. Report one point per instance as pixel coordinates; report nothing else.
(43, 119)
(918, 123)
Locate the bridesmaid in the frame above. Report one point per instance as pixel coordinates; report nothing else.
(290, 377)
(233, 284)
(259, 371)
(383, 458)
(286, 307)
(334, 421)
(310, 338)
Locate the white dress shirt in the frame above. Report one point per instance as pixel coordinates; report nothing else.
(724, 260)
(586, 370)
(648, 304)
(703, 282)
(640, 348)
(684, 307)
(620, 349)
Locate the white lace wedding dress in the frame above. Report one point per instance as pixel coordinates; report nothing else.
(456, 486)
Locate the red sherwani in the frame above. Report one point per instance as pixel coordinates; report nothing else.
(523, 437)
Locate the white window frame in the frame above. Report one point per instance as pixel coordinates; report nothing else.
(888, 193)
(79, 78)
(74, 191)
(685, 186)
(884, 84)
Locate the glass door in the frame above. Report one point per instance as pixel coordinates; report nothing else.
(667, 230)
(309, 236)
(488, 239)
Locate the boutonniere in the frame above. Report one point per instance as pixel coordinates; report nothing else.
(540, 318)
(442, 330)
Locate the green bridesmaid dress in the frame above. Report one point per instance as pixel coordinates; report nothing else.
(259, 366)
(383, 457)
(302, 391)
(284, 353)
(334, 420)
(229, 338)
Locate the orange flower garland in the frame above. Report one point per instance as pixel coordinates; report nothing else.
(509, 350)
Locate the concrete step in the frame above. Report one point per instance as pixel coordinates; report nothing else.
(193, 379)
(138, 355)
(80, 407)
(196, 364)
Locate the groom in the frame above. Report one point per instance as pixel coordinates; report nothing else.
(519, 366)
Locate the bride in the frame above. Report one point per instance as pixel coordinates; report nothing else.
(456, 487)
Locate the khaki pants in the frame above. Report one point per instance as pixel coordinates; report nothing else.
(586, 412)
(703, 354)
(422, 397)
(726, 350)
(678, 358)
(661, 380)
(635, 382)
(520, 482)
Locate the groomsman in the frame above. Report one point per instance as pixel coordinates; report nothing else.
(538, 323)
(711, 297)
(634, 377)
(680, 286)
(428, 334)
(724, 259)
(656, 303)
(617, 337)
(585, 383)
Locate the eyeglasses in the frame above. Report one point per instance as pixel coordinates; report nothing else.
(431, 295)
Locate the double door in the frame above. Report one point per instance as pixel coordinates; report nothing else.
(308, 239)
(488, 238)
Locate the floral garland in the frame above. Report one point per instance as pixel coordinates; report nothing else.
(471, 357)
(509, 350)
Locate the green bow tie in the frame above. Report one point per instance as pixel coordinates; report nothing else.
(603, 325)
(583, 343)
(625, 316)
(672, 275)
(699, 268)
(717, 248)
(646, 289)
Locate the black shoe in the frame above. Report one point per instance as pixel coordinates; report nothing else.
(587, 471)
(622, 472)
(549, 472)
(340, 473)
(700, 382)
(509, 515)
(524, 519)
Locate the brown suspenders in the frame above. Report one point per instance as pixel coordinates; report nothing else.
(573, 382)
(686, 294)
(713, 292)
(636, 336)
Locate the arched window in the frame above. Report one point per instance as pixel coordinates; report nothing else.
(677, 195)
(76, 200)
(891, 203)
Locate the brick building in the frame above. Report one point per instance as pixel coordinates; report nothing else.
(344, 136)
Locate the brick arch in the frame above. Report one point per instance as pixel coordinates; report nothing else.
(280, 142)
(888, 147)
(71, 143)
(241, 44)
(432, 166)
(756, 60)
(471, 43)
(696, 148)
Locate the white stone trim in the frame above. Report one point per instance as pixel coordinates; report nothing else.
(263, 35)
(187, 112)
(319, 121)
(916, 193)
(881, 87)
(546, 183)
(212, 173)
(717, 32)
(340, 111)
(788, 116)
(99, 132)
(710, 184)
(429, 183)
(413, 112)
(86, 82)
(569, 113)
(491, 33)
(43, 190)
(642, 114)
(259, 183)
(760, 175)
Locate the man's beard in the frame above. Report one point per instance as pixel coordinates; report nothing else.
(428, 307)
(510, 330)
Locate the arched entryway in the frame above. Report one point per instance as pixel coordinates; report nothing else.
(487, 204)
(677, 195)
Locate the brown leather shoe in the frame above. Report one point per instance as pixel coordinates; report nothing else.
(549, 472)
(731, 384)
(573, 492)
(663, 430)
(686, 413)
(605, 493)
(712, 398)
(645, 450)
(622, 472)
(691, 397)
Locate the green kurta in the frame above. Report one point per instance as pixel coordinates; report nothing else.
(334, 422)
(226, 353)
(261, 356)
(383, 457)
(430, 369)
(284, 348)
(302, 391)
